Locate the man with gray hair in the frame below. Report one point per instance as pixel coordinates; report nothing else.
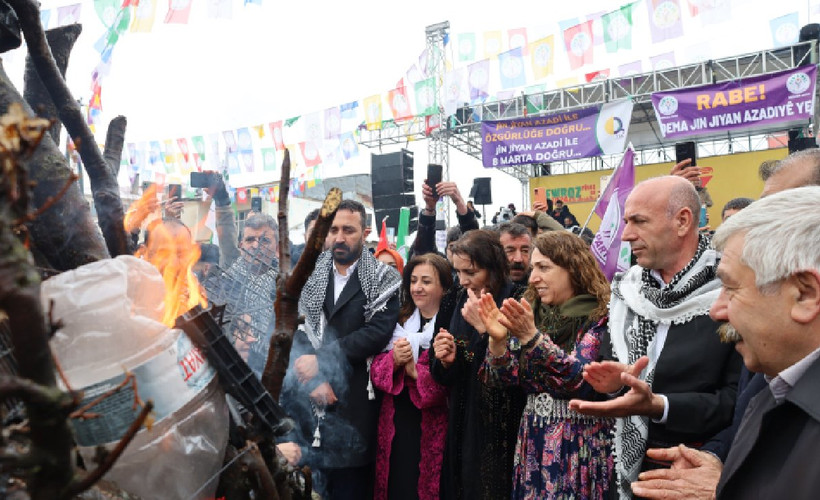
(672, 380)
(798, 169)
(771, 297)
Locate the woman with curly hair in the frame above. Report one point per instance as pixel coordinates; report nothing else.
(541, 344)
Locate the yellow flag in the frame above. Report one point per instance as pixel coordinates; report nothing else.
(144, 16)
(542, 55)
(373, 112)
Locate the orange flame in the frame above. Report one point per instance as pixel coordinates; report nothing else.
(170, 249)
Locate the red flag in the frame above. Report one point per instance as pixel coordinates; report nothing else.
(399, 103)
(178, 11)
(578, 42)
(383, 237)
(241, 195)
(276, 133)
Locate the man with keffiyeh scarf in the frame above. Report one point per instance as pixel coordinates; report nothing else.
(350, 304)
(670, 379)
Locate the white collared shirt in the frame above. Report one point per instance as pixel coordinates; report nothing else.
(340, 280)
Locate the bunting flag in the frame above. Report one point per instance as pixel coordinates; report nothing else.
(155, 159)
(113, 14)
(383, 245)
(492, 44)
(541, 57)
(578, 42)
(413, 75)
(332, 156)
(785, 30)
(567, 82)
(276, 134)
(597, 28)
(214, 153)
(333, 122)
(511, 69)
(466, 47)
(199, 147)
(479, 80)
(245, 145)
(230, 140)
(662, 61)
(144, 16)
(349, 111)
(310, 153)
(612, 254)
(534, 98)
(629, 69)
(664, 19)
(401, 234)
(568, 23)
(182, 143)
(312, 127)
(399, 103)
(219, 9)
(234, 163)
(424, 61)
(426, 97)
(596, 76)
(348, 144)
(518, 38)
(253, 2)
(178, 12)
(269, 159)
(431, 123)
(170, 157)
(617, 27)
(241, 195)
(260, 130)
(70, 14)
(373, 112)
(714, 12)
(291, 121)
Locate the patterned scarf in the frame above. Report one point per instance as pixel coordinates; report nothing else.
(379, 283)
(563, 322)
(639, 304)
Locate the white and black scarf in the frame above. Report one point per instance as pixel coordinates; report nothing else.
(379, 283)
(639, 304)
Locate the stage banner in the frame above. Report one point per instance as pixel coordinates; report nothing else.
(580, 133)
(780, 99)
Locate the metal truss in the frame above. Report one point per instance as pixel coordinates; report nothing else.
(462, 130)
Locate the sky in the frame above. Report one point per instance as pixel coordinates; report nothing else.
(282, 59)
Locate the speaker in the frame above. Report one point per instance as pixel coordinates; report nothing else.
(256, 203)
(481, 193)
(394, 201)
(392, 167)
(393, 219)
(391, 187)
(801, 143)
(807, 32)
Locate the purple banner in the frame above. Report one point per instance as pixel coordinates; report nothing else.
(780, 99)
(574, 134)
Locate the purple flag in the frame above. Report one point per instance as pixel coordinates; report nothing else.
(664, 19)
(612, 254)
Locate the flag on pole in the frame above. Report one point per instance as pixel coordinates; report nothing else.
(383, 237)
(401, 235)
(612, 254)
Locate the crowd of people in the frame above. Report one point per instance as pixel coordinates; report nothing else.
(508, 367)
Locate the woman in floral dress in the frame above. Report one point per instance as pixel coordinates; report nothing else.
(541, 344)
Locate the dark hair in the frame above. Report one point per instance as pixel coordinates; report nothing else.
(525, 221)
(453, 234)
(312, 216)
(572, 254)
(484, 250)
(209, 253)
(445, 279)
(736, 204)
(354, 206)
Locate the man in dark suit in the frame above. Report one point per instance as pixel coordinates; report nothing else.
(670, 379)
(351, 305)
(694, 474)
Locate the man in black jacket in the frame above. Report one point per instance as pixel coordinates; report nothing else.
(351, 305)
(673, 379)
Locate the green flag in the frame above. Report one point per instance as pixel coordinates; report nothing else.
(404, 227)
(426, 97)
(618, 28)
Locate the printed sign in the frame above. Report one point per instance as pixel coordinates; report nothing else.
(574, 134)
(780, 99)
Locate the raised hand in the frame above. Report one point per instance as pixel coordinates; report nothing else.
(470, 312)
(518, 318)
(490, 315)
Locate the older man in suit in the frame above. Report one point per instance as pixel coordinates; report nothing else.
(351, 305)
(771, 297)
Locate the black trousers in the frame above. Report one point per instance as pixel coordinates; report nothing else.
(350, 483)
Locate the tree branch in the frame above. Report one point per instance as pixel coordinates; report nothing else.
(103, 183)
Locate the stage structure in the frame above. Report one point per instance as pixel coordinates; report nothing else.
(462, 130)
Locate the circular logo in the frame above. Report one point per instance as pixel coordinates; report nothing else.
(614, 125)
(542, 55)
(619, 27)
(666, 14)
(798, 83)
(579, 43)
(511, 68)
(668, 105)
